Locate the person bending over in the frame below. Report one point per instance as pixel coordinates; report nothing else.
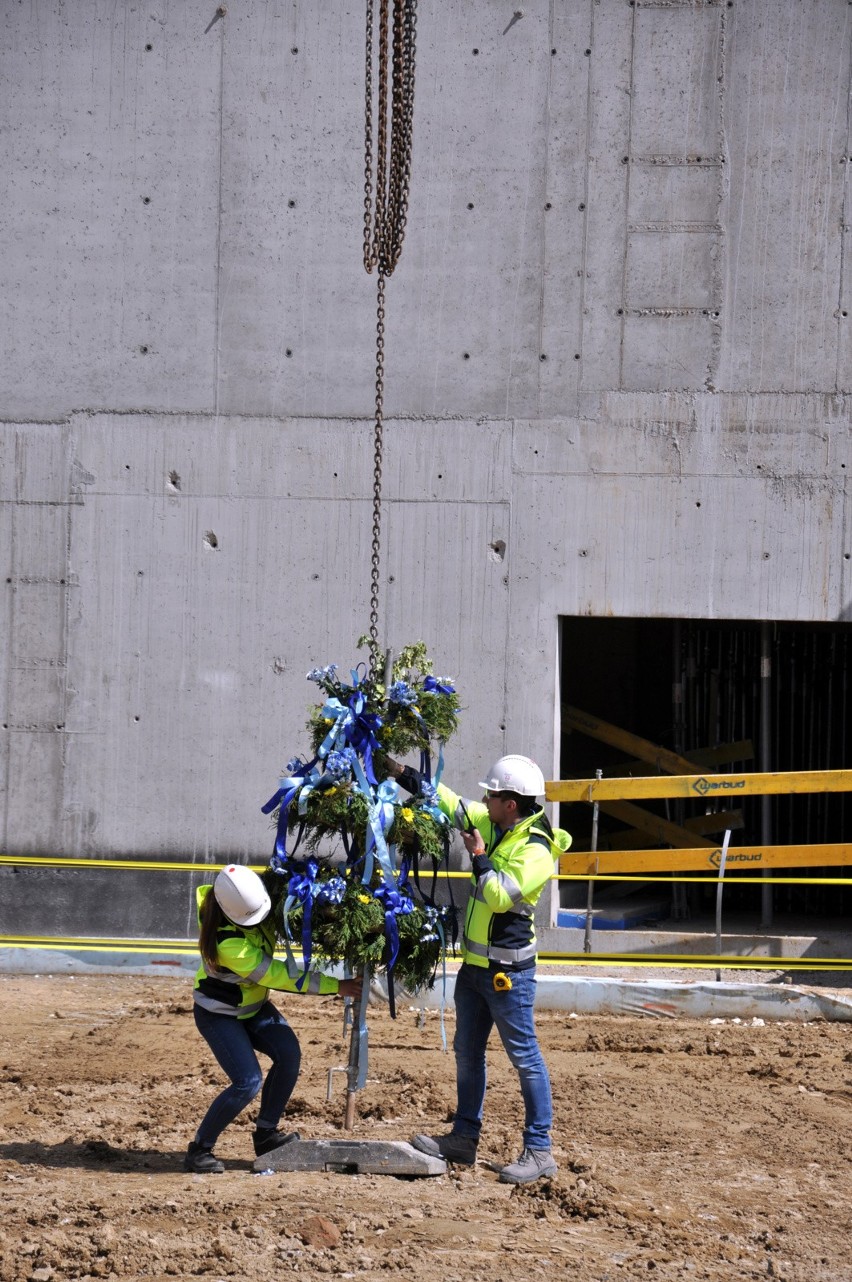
(235, 1017)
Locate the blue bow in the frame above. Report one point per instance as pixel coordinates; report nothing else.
(438, 685)
(380, 817)
(300, 890)
(354, 727)
(395, 904)
(364, 733)
(283, 798)
(333, 710)
(303, 888)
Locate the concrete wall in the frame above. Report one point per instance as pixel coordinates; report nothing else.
(619, 372)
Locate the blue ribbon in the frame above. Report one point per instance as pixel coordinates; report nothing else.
(426, 765)
(364, 733)
(283, 799)
(395, 904)
(300, 891)
(333, 710)
(303, 888)
(440, 767)
(352, 727)
(432, 685)
(380, 817)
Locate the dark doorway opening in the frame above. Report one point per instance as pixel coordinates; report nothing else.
(778, 694)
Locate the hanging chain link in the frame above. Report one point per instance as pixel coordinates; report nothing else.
(385, 218)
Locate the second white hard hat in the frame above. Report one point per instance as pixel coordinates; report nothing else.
(515, 773)
(241, 895)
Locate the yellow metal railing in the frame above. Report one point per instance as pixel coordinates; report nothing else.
(624, 865)
(702, 787)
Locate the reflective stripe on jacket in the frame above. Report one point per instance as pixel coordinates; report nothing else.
(247, 970)
(506, 882)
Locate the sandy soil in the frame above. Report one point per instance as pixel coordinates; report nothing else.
(686, 1150)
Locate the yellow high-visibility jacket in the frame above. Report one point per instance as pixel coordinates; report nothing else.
(506, 882)
(247, 970)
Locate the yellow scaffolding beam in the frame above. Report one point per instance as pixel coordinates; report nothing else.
(605, 732)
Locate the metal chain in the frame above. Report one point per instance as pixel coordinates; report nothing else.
(375, 557)
(384, 225)
(368, 143)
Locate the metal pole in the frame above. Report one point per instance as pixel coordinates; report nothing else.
(358, 1053)
(587, 936)
(358, 1042)
(679, 898)
(719, 886)
(766, 904)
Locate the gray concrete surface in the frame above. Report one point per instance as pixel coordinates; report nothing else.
(352, 1157)
(618, 376)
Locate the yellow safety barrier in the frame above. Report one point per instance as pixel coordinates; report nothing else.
(178, 949)
(701, 787)
(639, 865)
(738, 857)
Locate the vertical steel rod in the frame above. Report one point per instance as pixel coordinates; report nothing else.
(765, 758)
(590, 892)
(357, 1070)
(719, 886)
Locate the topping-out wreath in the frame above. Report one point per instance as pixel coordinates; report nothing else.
(353, 876)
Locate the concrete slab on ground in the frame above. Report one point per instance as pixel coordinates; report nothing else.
(352, 1157)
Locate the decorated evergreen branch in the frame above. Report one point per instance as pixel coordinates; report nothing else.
(354, 896)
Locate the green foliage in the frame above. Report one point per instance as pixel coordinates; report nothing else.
(413, 713)
(431, 718)
(353, 932)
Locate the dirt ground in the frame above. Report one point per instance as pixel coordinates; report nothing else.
(687, 1150)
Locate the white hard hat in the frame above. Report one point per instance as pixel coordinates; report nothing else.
(241, 895)
(515, 774)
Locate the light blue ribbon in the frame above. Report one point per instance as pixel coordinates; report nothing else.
(334, 710)
(380, 816)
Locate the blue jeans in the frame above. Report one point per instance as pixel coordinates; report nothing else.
(478, 1009)
(234, 1042)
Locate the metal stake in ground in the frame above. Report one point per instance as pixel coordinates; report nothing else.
(719, 886)
(358, 1052)
(356, 1072)
(590, 889)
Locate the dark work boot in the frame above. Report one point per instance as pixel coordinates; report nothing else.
(202, 1161)
(452, 1147)
(266, 1139)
